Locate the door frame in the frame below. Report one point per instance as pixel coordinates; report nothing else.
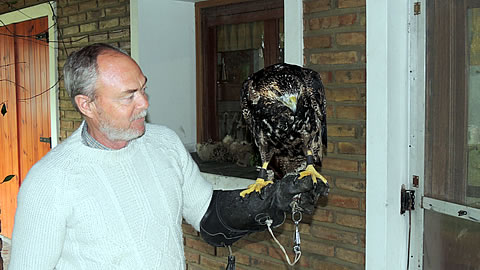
(388, 129)
(34, 12)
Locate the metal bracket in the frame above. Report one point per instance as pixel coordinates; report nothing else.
(46, 140)
(407, 200)
(42, 36)
(416, 8)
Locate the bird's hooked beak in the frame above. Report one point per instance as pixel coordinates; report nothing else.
(292, 103)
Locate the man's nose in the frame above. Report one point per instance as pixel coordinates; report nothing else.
(142, 101)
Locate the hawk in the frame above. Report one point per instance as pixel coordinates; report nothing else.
(284, 107)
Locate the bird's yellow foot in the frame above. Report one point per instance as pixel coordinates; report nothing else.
(257, 186)
(310, 170)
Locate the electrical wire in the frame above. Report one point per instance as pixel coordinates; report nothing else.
(409, 236)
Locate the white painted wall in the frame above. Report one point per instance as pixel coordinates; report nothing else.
(164, 46)
(387, 133)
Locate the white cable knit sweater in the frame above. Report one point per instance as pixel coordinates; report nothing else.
(85, 208)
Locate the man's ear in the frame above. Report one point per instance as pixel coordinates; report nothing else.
(85, 105)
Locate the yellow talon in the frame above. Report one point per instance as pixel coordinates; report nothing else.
(310, 170)
(257, 186)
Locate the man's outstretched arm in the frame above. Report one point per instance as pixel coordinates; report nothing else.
(230, 217)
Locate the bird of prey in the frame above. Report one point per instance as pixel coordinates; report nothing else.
(284, 107)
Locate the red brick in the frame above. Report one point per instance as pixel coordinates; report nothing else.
(256, 247)
(112, 11)
(332, 21)
(317, 42)
(66, 124)
(323, 265)
(322, 215)
(326, 76)
(343, 165)
(363, 95)
(84, 5)
(68, 10)
(98, 38)
(199, 245)
(95, 14)
(343, 201)
(77, 18)
(350, 256)
(104, 3)
(334, 58)
(351, 3)
(350, 76)
(351, 148)
(77, 124)
(353, 221)
(316, 6)
(88, 27)
(213, 263)
(264, 264)
(109, 23)
(123, 33)
(70, 30)
(330, 147)
(363, 19)
(356, 38)
(330, 112)
(357, 185)
(335, 130)
(335, 235)
(192, 256)
(241, 258)
(317, 248)
(125, 21)
(188, 229)
(351, 112)
(342, 94)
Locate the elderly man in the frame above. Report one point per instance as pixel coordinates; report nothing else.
(113, 195)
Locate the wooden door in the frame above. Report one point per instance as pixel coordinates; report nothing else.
(28, 115)
(8, 132)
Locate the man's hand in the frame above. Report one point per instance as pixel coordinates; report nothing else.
(290, 186)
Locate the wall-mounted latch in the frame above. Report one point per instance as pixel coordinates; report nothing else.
(407, 200)
(416, 8)
(46, 140)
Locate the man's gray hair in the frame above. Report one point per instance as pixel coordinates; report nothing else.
(80, 70)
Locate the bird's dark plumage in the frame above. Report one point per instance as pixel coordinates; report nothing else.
(285, 108)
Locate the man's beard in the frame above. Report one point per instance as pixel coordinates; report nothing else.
(121, 134)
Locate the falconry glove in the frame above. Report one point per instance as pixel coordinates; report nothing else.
(230, 217)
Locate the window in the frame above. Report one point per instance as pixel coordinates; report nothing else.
(233, 41)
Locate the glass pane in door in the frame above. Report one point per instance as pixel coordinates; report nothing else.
(473, 133)
(450, 243)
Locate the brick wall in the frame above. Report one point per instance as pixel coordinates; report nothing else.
(334, 237)
(81, 23)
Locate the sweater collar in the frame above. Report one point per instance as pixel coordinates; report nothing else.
(89, 141)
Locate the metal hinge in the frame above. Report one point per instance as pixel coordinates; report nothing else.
(46, 140)
(416, 8)
(407, 200)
